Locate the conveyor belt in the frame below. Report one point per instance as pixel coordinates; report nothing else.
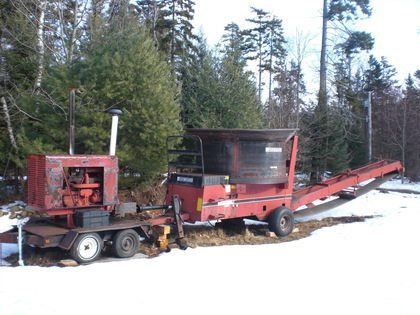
(345, 180)
(340, 201)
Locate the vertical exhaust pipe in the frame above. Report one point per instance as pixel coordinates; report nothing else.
(72, 125)
(114, 129)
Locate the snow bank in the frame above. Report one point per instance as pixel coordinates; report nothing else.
(361, 268)
(6, 249)
(396, 184)
(370, 267)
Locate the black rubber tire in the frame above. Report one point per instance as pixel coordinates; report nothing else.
(87, 248)
(125, 243)
(281, 221)
(347, 196)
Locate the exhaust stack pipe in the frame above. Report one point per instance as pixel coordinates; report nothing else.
(72, 113)
(114, 129)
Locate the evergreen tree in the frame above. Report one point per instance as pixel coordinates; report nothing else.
(349, 97)
(324, 138)
(255, 42)
(339, 10)
(200, 88)
(125, 70)
(379, 80)
(18, 73)
(411, 107)
(176, 31)
(219, 92)
(274, 51)
(241, 107)
(281, 110)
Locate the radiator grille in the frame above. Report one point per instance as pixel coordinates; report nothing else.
(36, 180)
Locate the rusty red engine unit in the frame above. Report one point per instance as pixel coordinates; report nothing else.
(62, 184)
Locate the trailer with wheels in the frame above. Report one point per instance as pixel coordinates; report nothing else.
(213, 174)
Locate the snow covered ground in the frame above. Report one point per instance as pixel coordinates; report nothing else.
(371, 267)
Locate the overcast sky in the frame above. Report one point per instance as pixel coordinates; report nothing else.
(395, 25)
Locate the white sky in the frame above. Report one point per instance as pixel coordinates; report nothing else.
(395, 25)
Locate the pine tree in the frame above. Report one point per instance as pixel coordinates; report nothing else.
(125, 70)
(379, 80)
(218, 92)
(411, 103)
(349, 97)
(340, 10)
(326, 142)
(255, 42)
(240, 104)
(200, 88)
(274, 49)
(174, 25)
(281, 111)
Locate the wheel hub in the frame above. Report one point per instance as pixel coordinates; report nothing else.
(88, 248)
(127, 244)
(284, 223)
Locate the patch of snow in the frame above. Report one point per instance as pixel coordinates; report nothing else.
(5, 251)
(7, 224)
(369, 267)
(374, 203)
(396, 184)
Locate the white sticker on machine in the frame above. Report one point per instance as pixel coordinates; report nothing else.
(185, 179)
(272, 149)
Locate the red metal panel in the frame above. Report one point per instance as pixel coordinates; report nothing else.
(241, 200)
(48, 188)
(189, 196)
(36, 180)
(236, 200)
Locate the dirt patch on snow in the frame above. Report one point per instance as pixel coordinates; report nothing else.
(258, 233)
(233, 233)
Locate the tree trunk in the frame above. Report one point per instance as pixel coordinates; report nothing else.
(270, 73)
(298, 94)
(322, 97)
(173, 37)
(155, 19)
(404, 138)
(40, 46)
(72, 40)
(8, 123)
(259, 70)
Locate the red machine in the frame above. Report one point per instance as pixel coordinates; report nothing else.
(63, 184)
(250, 173)
(216, 174)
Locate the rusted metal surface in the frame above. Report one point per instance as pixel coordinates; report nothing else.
(246, 156)
(210, 201)
(223, 200)
(64, 182)
(283, 135)
(165, 219)
(45, 230)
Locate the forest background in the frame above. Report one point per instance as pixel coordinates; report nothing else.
(146, 58)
